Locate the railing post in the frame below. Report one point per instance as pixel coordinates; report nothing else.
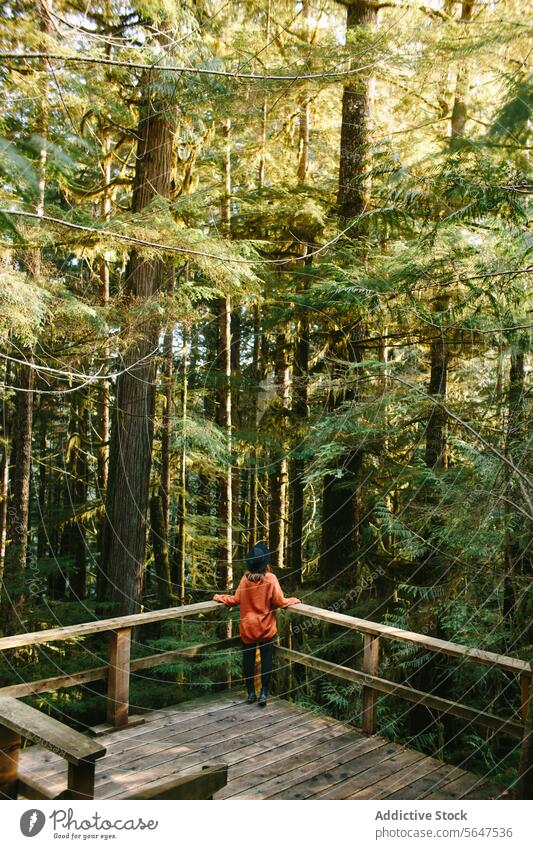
(9, 758)
(524, 789)
(291, 668)
(81, 780)
(525, 691)
(118, 680)
(370, 666)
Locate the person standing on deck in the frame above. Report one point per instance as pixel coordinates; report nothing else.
(259, 595)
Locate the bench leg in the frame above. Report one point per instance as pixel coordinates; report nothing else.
(9, 760)
(81, 780)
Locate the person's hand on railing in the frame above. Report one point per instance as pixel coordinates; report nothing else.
(292, 600)
(228, 600)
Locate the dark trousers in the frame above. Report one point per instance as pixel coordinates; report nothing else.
(266, 648)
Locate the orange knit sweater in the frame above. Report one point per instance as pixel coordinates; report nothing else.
(258, 600)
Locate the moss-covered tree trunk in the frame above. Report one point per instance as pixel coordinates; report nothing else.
(352, 195)
(435, 449)
(278, 478)
(73, 543)
(340, 496)
(224, 407)
(516, 536)
(135, 394)
(13, 595)
(459, 114)
(4, 468)
(181, 535)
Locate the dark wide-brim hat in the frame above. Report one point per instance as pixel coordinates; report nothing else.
(258, 558)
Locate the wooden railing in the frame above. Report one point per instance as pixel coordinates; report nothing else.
(117, 671)
(120, 665)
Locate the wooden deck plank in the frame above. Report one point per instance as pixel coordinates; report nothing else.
(291, 771)
(121, 743)
(369, 775)
(167, 717)
(309, 735)
(285, 753)
(246, 757)
(323, 783)
(206, 750)
(463, 786)
(241, 746)
(427, 784)
(166, 745)
(400, 782)
(194, 741)
(289, 764)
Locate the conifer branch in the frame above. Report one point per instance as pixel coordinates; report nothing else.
(186, 69)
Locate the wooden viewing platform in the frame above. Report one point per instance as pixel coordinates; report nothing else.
(219, 747)
(279, 752)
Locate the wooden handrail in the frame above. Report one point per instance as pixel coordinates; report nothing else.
(365, 626)
(508, 664)
(71, 632)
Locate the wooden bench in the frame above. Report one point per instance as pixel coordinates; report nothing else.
(18, 720)
(197, 785)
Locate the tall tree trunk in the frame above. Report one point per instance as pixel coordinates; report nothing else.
(264, 112)
(301, 354)
(305, 122)
(353, 190)
(225, 486)
(160, 500)
(19, 509)
(514, 446)
(102, 404)
(166, 429)
(42, 485)
(4, 469)
(300, 411)
(263, 486)
(182, 475)
(160, 550)
(56, 579)
(460, 107)
(255, 454)
(278, 483)
(238, 478)
(73, 542)
(340, 497)
(133, 426)
(435, 454)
